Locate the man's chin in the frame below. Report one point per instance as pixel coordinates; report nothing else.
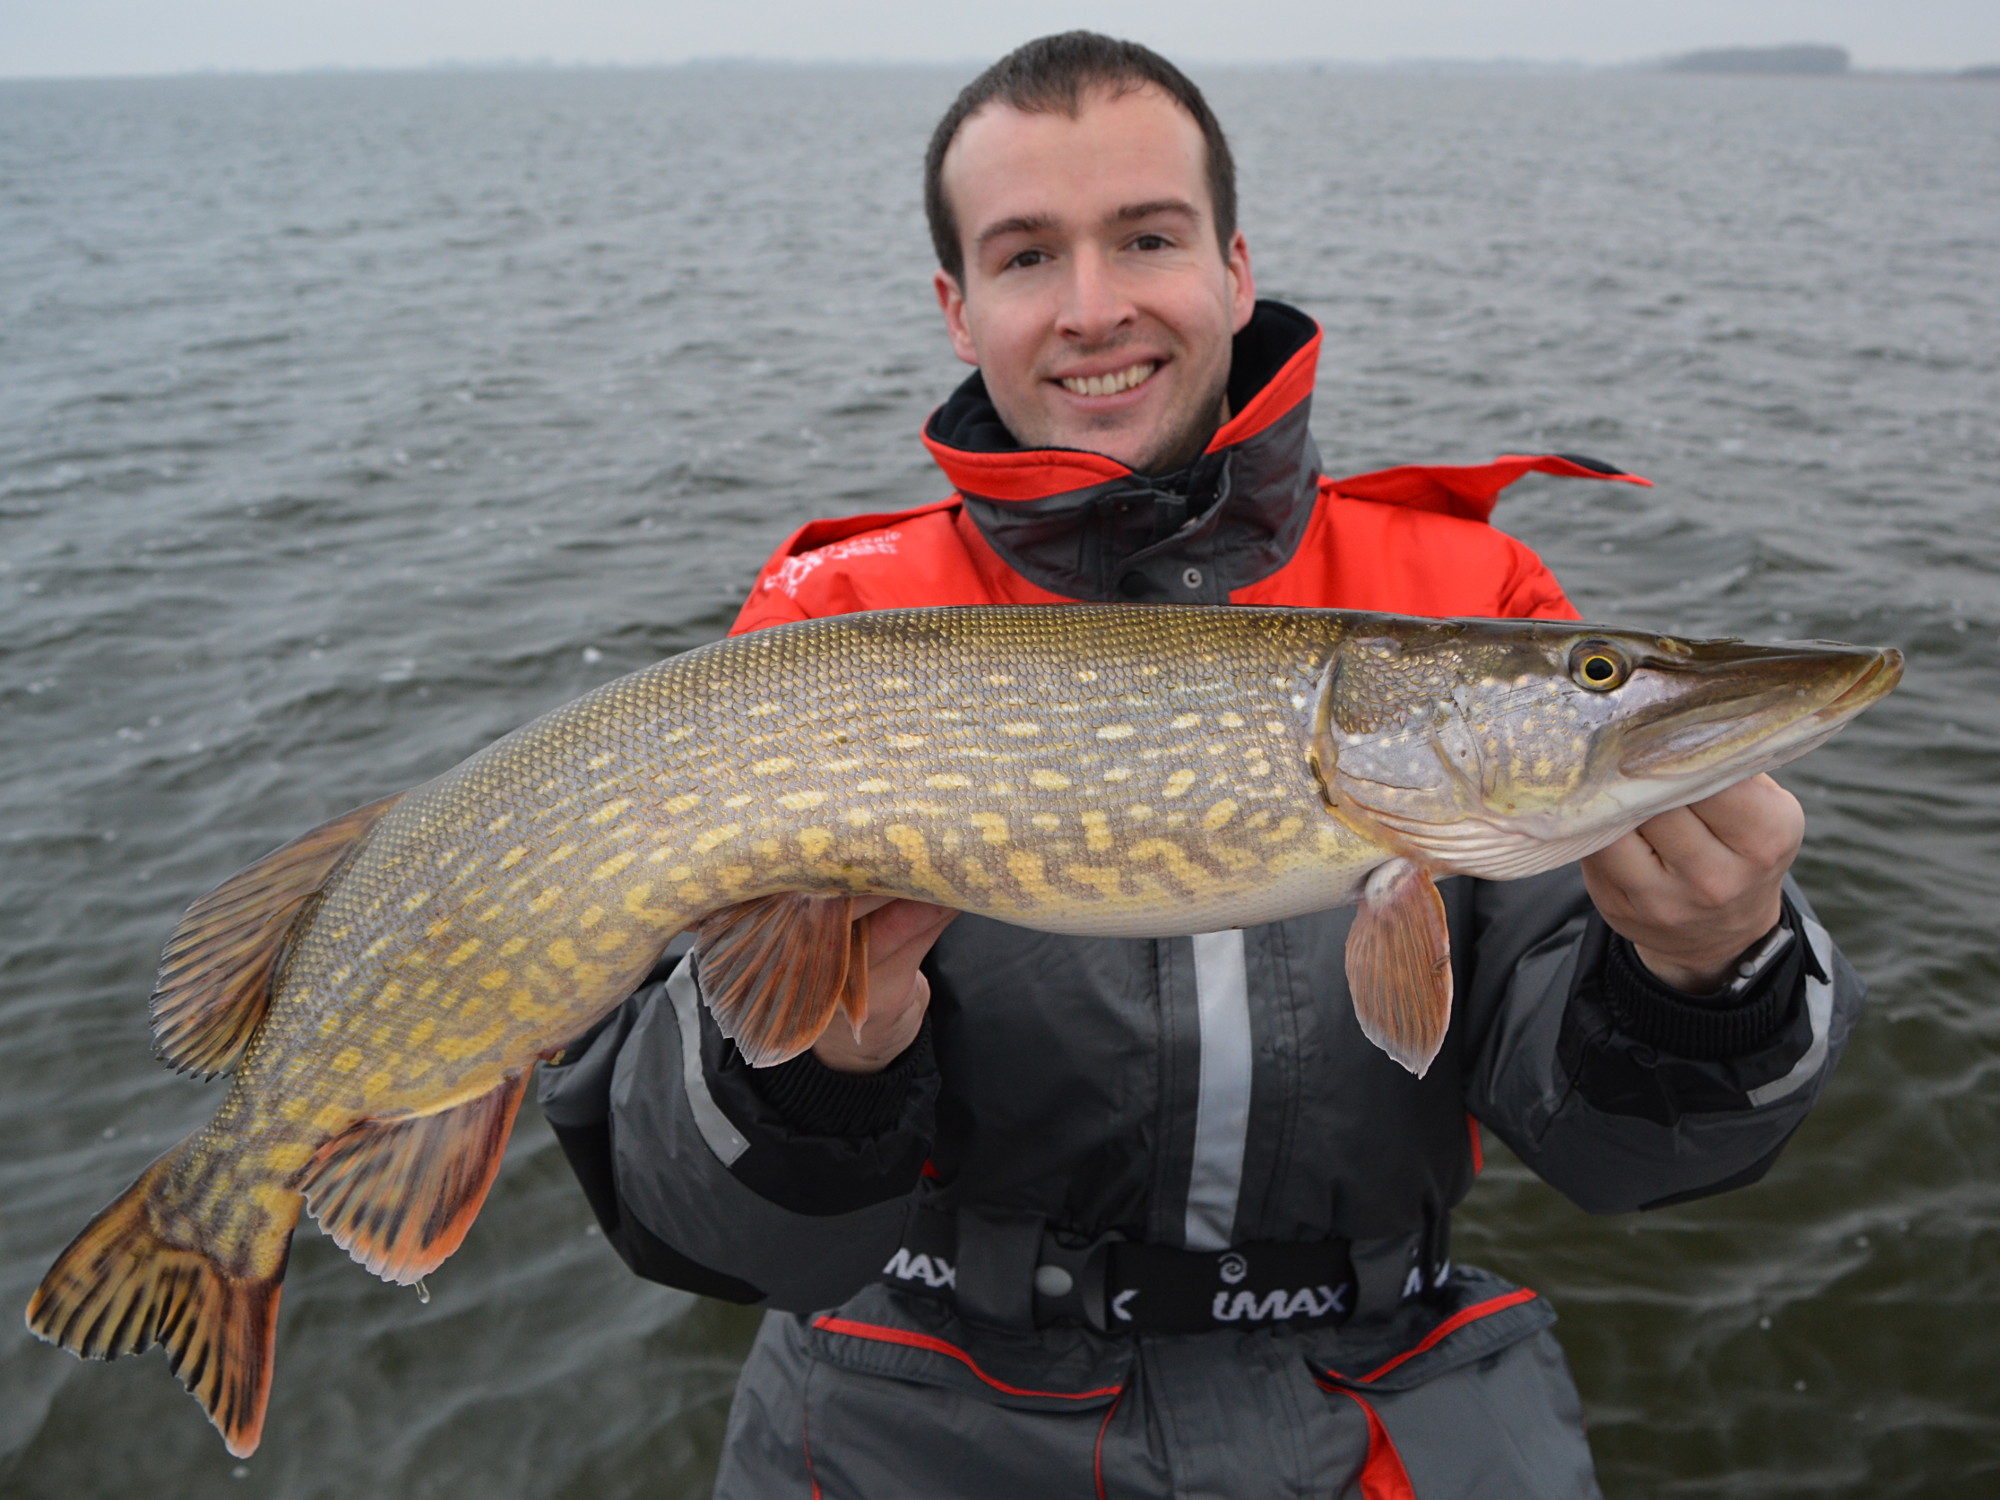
(1148, 451)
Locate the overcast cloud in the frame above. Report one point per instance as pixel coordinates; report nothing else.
(91, 37)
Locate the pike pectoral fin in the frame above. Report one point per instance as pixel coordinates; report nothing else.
(1399, 964)
(215, 976)
(125, 1284)
(399, 1195)
(774, 971)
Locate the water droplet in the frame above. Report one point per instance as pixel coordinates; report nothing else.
(1765, 1324)
(1798, 1385)
(110, 1132)
(241, 1471)
(423, 1292)
(592, 655)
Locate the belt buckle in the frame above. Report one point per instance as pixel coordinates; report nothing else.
(1069, 1280)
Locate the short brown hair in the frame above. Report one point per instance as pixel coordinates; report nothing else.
(1055, 74)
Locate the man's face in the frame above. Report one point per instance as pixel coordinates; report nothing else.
(1095, 301)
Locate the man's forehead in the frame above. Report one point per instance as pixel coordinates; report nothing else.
(1123, 152)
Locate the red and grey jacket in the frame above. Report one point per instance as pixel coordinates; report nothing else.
(1190, 1095)
(1252, 521)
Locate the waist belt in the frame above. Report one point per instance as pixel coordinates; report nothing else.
(1012, 1272)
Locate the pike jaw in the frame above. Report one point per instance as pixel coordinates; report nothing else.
(1505, 748)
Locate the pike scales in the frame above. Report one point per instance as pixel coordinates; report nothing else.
(383, 985)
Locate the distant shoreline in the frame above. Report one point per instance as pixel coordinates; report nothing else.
(1682, 65)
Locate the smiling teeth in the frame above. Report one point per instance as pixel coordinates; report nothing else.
(1112, 384)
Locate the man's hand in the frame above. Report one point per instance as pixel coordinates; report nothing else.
(900, 933)
(1694, 887)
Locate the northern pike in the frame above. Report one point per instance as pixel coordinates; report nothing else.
(383, 986)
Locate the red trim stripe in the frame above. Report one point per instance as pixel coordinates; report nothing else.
(1478, 1146)
(1383, 1476)
(1445, 1330)
(882, 1334)
(1097, 1455)
(1285, 390)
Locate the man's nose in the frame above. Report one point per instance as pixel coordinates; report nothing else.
(1095, 302)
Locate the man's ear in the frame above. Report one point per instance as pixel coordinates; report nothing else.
(951, 301)
(1242, 285)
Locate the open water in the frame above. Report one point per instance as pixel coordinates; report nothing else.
(348, 421)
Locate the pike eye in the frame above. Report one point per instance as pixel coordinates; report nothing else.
(1598, 666)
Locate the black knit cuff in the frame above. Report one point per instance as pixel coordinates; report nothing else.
(817, 1100)
(1709, 1028)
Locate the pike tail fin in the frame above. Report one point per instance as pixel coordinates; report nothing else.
(776, 970)
(136, 1277)
(1399, 965)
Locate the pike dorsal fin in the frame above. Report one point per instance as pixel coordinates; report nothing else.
(399, 1195)
(1399, 964)
(774, 970)
(216, 973)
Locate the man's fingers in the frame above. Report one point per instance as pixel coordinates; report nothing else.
(900, 933)
(902, 924)
(1757, 819)
(1628, 865)
(1681, 842)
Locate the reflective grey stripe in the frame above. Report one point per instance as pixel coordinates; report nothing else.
(1819, 1007)
(1222, 1107)
(722, 1137)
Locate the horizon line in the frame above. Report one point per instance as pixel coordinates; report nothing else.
(720, 61)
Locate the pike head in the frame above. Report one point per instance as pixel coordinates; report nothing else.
(1502, 748)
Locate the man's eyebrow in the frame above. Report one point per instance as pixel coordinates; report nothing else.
(1019, 224)
(1155, 207)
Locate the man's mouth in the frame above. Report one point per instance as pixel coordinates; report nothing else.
(1114, 382)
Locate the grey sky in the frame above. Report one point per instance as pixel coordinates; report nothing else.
(70, 37)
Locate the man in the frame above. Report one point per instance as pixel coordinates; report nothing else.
(1076, 1216)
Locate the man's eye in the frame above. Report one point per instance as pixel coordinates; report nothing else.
(1027, 258)
(1152, 242)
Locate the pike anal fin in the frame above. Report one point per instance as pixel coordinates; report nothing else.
(218, 967)
(776, 969)
(399, 1195)
(125, 1284)
(1399, 964)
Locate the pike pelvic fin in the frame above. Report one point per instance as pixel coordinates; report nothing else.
(1399, 964)
(854, 989)
(399, 1195)
(776, 969)
(218, 967)
(126, 1283)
